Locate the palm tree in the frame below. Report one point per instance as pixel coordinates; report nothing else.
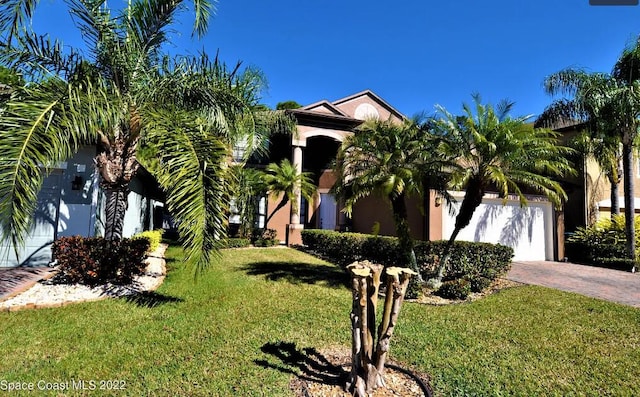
(606, 99)
(604, 148)
(394, 160)
(284, 179)
(178, 117)
(247, 191)
(496, 151)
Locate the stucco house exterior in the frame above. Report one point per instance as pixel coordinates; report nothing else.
(71, 203)
(590, 191)
(533, 232)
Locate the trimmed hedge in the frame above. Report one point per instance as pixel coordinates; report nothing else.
(95, 260)
(236, 243)
(459, 289)
(475, 262)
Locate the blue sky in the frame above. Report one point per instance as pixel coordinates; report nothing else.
(413, 53)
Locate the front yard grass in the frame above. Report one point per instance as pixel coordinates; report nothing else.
(233, 333)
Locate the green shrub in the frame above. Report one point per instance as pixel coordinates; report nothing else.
(458, 289)
(95, 260)
(153, 236)
(264, 237)
(616, 263)
(604, 239)
(475, 261)
(478, 283)
(236, 243)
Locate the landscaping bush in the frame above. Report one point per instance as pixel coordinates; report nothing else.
(616, 263)
(478, 283)
(602, 244)
(95, 260)
(236, 243)
(264, 237)
(478, 262)
(458, 289)
(153, 236)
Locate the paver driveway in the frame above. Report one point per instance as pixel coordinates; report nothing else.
(611, 285)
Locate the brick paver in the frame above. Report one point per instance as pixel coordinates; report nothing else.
(15, 280)
(612, 285)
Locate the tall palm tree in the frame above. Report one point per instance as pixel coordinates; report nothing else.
(496, 151)
(393, 160)
(604, 148)
(606, 99)
(284, 179)
(178, 117)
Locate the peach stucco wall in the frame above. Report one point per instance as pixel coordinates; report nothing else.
(280, 219)
(349, 107)
(370, 210)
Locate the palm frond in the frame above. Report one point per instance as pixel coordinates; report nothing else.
(191, 168)
(33, 138)
(15, 15)
(204, 10)
(40, 57)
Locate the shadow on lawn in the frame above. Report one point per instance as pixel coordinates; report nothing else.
(298, 273)
(307, 364)
(150, 299)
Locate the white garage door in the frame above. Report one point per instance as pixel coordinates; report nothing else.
(37, 251)
(528, 230)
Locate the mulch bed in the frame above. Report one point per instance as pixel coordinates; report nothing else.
(328, 379)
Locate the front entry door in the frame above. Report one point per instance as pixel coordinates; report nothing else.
(327, 211)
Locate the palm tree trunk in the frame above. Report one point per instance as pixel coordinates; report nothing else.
(401, 220)
(629, 204)
(615, 183)
(472, 200)
(115, 209)
(615, 200)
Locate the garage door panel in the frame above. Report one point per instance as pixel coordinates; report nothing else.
(527, 230)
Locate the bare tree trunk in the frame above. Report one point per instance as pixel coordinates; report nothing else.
(397, 283)
(368, 359)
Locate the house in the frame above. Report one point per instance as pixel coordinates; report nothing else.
(533, 232)
(590, 191)
(71, 203)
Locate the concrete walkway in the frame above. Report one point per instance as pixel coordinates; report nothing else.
(612, 285)
(14, 280)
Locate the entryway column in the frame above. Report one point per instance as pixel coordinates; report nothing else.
(294, 228)
(297, 162)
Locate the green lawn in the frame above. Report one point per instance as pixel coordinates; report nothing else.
(232, 334)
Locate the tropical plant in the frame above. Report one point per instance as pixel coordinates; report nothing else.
(178, 117)
(605, 150)
(284, 180)
(393, 160)
(248, 189)
(496, 151)
(611, 99)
